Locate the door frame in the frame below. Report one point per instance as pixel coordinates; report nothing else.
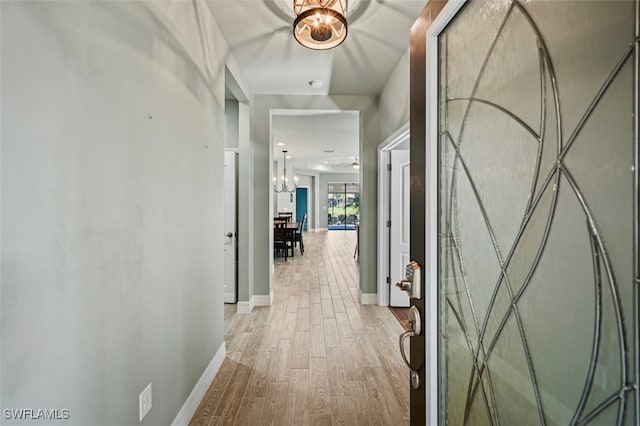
(423, 113)
(384, 206)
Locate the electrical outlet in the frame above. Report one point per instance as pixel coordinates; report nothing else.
(145, 401)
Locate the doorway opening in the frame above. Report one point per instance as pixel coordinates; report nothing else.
(235, 134)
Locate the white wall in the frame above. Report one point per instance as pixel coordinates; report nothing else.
(112, 140)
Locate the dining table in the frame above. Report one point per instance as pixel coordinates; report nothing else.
(288, 225)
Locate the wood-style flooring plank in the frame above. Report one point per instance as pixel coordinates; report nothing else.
(342, 411)
(232, 397)
(316, 335)
(331, 336)
(214, 394)
(289, 326)
(337, 379)
(302, 320)
(315, 313)
(275, 405)
(284, 354)
(300, 353)
(319, 402)
(298, 398)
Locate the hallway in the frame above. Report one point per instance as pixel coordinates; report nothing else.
(316, 356)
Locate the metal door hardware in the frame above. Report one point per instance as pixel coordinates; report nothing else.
(416, 330)
(411, 283)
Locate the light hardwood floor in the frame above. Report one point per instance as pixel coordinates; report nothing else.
(316, 356)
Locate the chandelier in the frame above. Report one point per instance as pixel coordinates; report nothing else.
(320, 24)
(284, 186)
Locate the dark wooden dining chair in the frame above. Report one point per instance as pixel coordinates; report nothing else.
(298, 234)
(281, 239)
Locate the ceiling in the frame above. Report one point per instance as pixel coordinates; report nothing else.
(307, 136)
(259, 34)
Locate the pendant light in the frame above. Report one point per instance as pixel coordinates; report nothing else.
(284, 187)
(320, 24)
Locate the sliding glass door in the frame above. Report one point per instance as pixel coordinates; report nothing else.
(343, 206)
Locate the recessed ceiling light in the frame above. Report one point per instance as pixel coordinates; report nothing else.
(329, 151)
(288, 156)
(280, 143)
(326, 162)
(316, 84)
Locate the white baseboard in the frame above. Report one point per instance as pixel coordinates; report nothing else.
(368, 298)
(259, 300)
(191, 404)
(244, 307)
(263, 300)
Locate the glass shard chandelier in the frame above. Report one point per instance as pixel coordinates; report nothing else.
(284, 187)
(320, 24)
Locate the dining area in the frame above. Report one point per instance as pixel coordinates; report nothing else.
(288, 235)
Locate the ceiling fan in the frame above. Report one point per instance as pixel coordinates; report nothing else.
(355, 164)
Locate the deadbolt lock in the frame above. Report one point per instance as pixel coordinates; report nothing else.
(411, 282)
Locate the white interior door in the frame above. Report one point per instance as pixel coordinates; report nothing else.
(230, 240)
(400, 226)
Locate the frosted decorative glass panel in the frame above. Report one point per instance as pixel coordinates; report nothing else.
(537, 169)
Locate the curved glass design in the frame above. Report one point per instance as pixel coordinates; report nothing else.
(538, 256)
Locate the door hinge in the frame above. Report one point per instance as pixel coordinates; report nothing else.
(388, 280)
(389, 166)
(388, 224)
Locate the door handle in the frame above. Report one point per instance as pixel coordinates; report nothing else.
(229, 234)
(416, 329)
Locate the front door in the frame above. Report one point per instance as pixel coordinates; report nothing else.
(536, 266)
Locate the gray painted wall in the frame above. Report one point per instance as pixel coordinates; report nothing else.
(263, 161)
(325, 179)
(112, 141)
(231, 128)
(245, 205)
(394, 99)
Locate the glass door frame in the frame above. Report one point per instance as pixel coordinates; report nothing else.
(424, 142)
(345, 193)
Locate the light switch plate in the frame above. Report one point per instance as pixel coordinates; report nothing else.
(145, 401)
